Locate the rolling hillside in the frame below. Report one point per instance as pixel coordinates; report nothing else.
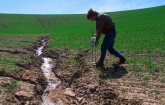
(67, 40)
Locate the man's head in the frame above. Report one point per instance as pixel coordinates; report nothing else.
(91, 15)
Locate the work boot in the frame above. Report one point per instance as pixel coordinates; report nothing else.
(121, 60)
(99, 64)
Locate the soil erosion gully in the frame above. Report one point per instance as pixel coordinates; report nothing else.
(51, 79)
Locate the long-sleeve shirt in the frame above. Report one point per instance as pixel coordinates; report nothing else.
(103, 24)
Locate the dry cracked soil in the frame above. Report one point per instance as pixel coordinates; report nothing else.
(79, 82)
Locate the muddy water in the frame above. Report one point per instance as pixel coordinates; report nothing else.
(51, 79)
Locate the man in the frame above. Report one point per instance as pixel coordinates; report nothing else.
(105, 25)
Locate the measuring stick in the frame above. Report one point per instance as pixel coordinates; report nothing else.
(92, 48)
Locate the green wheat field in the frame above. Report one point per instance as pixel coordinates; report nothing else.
(140, 34)
(140, 38)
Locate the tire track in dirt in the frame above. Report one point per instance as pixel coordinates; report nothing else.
(13, 51)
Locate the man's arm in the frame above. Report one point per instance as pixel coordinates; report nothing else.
(99, 26)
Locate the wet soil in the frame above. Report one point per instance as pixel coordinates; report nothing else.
(79, 82)
(26, 85)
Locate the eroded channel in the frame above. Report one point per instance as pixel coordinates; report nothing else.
(51, 79)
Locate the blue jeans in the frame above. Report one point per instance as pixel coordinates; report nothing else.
(108, 43)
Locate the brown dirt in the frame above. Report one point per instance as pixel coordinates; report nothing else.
(26, 85)
(79, 82)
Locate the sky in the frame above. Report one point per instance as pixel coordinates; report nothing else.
(73, 6)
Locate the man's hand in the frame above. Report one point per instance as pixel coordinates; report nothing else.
(95, 42)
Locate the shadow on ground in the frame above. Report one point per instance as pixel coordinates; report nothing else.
(117, 71)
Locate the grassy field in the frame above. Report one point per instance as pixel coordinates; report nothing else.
(140, 37)
(137, 30)
(140, 34)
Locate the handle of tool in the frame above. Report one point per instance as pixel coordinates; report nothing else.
(95, 54)
(92, 47)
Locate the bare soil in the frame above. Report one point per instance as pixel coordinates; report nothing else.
(79, 82)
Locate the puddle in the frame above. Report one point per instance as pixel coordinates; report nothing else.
(51, 79)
